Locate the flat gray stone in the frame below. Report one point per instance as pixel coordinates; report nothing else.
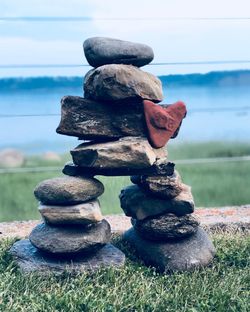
(137, 204)
(128, 152)
(194, 252)
(160, 166)
(85, 213)
(70, 239)
(68, 190)
(166, 227)
(162, 186)
(101, 50)
(122, 83)
(30, 260)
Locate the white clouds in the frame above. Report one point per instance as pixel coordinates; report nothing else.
(172, 41)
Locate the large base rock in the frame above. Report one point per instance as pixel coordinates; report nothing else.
(30, 259)
(185, 255)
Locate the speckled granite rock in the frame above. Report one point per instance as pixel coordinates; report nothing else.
(30, 260)
(194, 252)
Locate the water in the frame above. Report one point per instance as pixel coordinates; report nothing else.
(227, 118)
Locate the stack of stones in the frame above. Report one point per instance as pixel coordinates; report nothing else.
(165, 234)
(74, 237)
(124, 133)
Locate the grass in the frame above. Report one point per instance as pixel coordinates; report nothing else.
(224, 286)
(214, 184)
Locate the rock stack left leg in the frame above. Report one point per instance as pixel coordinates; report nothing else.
(74, 236)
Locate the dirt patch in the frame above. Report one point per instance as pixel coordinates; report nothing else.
(235, 218)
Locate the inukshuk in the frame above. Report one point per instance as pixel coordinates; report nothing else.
(127, 133)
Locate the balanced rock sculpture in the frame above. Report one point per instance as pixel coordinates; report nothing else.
(127, 133)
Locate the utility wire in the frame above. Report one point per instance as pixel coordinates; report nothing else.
(179, 162)
(136, 18)
(6, 66)
(190, 111)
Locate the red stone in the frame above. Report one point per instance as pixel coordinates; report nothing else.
(162, 122)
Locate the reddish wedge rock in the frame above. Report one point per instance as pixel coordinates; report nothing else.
(162, 123)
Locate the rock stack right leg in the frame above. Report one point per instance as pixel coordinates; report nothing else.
(165, 234)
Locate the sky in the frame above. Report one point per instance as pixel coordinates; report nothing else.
(173, 40)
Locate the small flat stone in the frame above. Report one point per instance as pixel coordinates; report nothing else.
(68, 190)
(161, 166)
(31, 260)
(137, 204)
(128, 152)
(122, 83)
(86, 213)
(166, 227)
(70, 239)
(162, 123)
(194, 252)
(162, 186)
(102, 50)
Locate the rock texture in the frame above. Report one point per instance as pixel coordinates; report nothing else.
(194, 252)
(91, 120)
(162, 186)
(70, 240)
(122, 83)
(166, 227)
(101, 50)
(31, 260)
(138, 204)
(68, 190)
(160, 166)
(84, 214)
(162, 123)
(128, 152)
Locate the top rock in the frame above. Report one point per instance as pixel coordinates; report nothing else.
(101, 51)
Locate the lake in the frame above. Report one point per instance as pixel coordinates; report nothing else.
(214, 114)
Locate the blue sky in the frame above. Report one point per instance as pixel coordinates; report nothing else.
(25, 42)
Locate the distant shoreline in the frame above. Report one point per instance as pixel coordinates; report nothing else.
(212, 79)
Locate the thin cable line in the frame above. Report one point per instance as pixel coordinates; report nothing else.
(211, 160)
(180, 162)
(190, 111)
(151, 64)
(26, 115)
(136, 18)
